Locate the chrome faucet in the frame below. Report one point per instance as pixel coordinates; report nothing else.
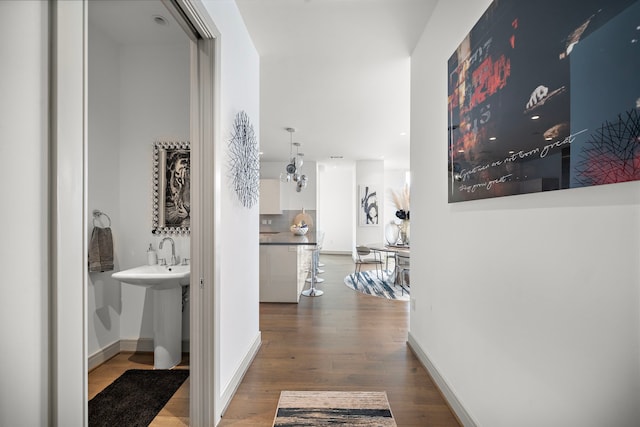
(173, 249)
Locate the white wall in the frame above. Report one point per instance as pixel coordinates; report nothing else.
(154, 106)
(527, 306)
(238, 235)
(103, 293)
(336, 195)
(24, 308)
(138, 94)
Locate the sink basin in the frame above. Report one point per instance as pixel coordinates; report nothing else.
(165, 284)
(156, 276)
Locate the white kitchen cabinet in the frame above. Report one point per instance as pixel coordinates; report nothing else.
(283, 270)
(270, 197)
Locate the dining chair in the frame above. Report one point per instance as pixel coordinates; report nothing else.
(403, 265)
(363, 251)
(388, 256)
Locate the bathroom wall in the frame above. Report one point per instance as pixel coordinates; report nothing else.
(103, 293)
(154, 105)
(138, 94)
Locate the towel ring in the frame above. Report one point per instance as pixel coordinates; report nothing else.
(96, 216)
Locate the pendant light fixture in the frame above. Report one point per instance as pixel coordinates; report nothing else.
(292, 169)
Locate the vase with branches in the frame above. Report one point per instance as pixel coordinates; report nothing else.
(401, 200)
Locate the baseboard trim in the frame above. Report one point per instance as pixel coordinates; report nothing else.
(447, 392)
(140, 344)
(102, 355)
(130, 345)
(235, 381)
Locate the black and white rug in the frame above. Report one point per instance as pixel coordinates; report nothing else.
(369, 283)
(331, 408)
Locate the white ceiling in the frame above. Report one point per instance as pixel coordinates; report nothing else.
(132, 21)
(336, 70)
(339, 72)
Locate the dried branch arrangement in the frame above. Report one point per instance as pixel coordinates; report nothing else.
(401, 198)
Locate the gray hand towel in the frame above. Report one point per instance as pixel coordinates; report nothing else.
(101, 250)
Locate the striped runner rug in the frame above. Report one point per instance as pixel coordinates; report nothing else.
(369, 283)
(330, 408)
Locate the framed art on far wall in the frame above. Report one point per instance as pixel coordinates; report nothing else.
(171, 188)
(368, 205)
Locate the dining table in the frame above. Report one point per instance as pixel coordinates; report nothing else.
(396, 250)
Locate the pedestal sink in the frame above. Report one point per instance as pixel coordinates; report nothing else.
(166, 285)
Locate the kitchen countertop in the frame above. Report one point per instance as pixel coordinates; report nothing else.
(288, 238)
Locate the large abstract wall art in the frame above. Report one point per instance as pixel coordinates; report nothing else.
(545, 95)
(368, 205)
(244, 161)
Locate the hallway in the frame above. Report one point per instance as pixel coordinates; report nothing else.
(341, 341)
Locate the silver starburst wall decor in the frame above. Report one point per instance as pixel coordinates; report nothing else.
(244, 161)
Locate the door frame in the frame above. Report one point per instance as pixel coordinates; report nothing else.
(204, 391)
(69, 214)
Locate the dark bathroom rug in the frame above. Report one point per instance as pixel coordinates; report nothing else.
(135, 398)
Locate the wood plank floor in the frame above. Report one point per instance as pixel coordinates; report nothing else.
(342, 340)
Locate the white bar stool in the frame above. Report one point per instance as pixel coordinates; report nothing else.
(313, 291)
(316, 260)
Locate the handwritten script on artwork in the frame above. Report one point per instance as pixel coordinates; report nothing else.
(542, 152)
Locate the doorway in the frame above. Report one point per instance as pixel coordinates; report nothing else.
(71, 210)
(138, 83)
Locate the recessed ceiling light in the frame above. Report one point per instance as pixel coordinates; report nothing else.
(511, 152)
(535, 117)
(548, 138)
(160, 20)
(336, 157)
(493, 138)
(461, 151)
